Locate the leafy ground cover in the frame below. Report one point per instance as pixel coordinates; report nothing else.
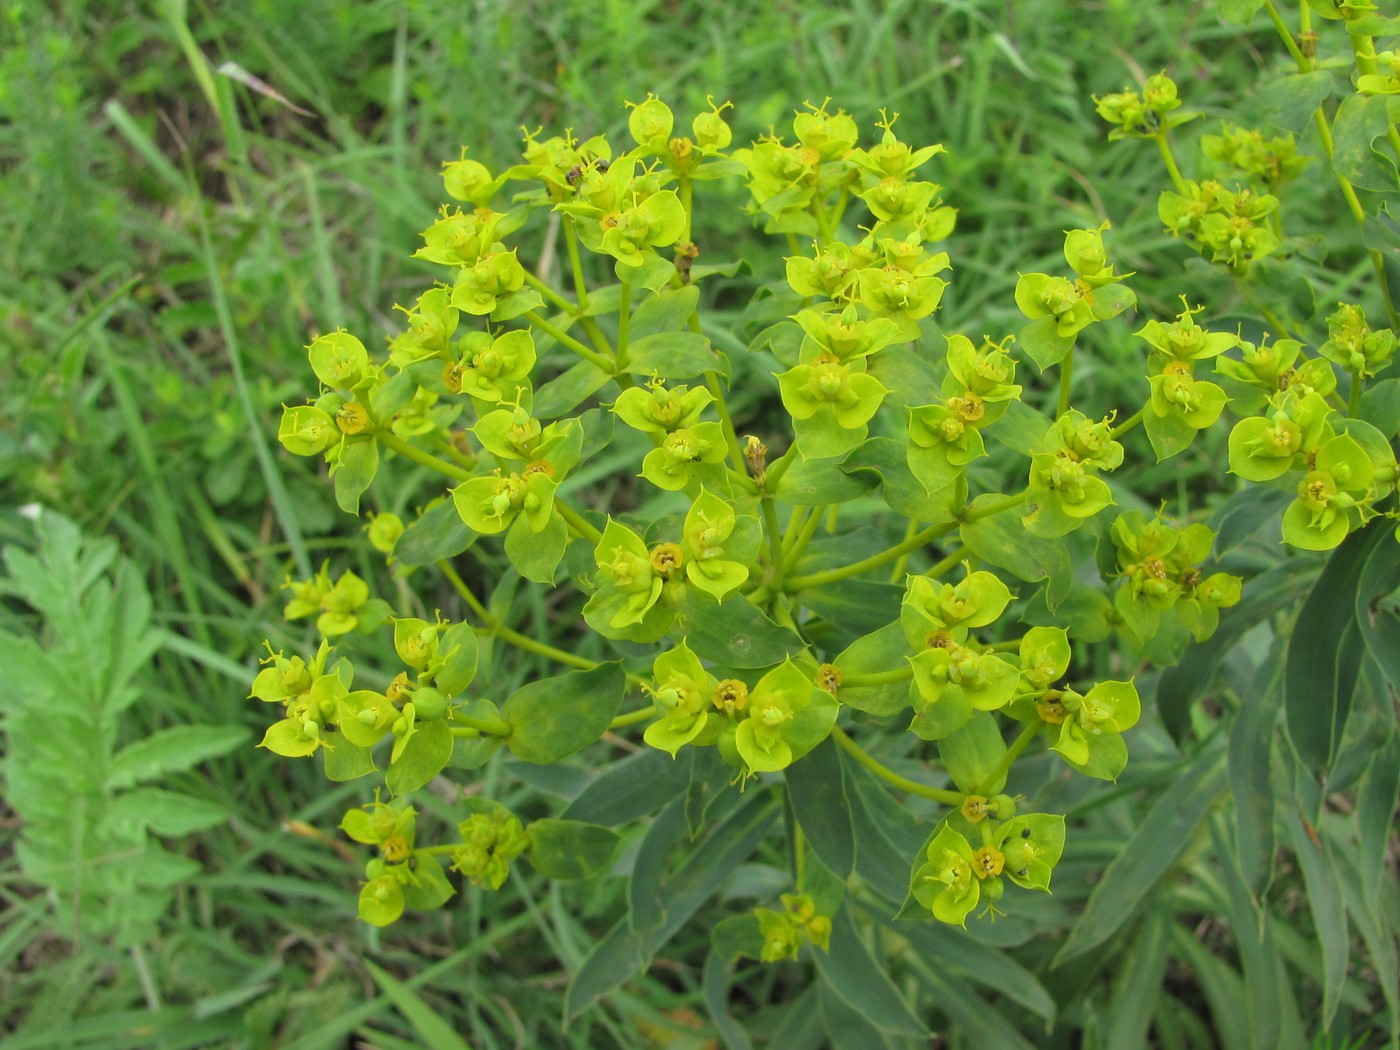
(195, 192)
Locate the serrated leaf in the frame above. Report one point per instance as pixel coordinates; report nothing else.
(164, 812)
(172, 750)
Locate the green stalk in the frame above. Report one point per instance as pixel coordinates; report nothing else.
(775, 542)
(631, 718)
(1029, 733)
(941, 566)
(1066, 377)
(392, 441)
(1164, 147)
(550, 294)
(899, 674)
(624, 322)
(486, 726)
(996, 507)
(884, 557)
(576, 263)
(889, 776)
(804, 536)
(577, 522)
(495, 628)
(1128, 423)
(901, 566)
(1324, 134)
(1354, 400)
(565, 339)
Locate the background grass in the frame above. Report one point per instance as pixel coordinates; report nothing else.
(177, 237)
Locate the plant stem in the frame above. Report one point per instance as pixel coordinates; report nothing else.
(884, 557)
(575, 263)
(488, 726)
(1066, 377)
(1029, 733)
(550, 294)
(565, 339)
(577, 522)
(631, 718)
(775, 542)
(899, 674)
(987, 510)
(804, 536)
(497, 629)
(889, 776)
(624, 324)
(1128, 423)
(941, 566)
(1164, 147)
(392, 441)
(1324, 134)
(1354, 399)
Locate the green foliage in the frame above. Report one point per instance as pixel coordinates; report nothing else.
(231, 209)
(730, 621)
(94, 814)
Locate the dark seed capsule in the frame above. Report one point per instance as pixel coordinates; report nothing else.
(1025, 833)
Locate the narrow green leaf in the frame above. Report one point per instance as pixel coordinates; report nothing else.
(1274, 1023)
(633, 787)
(1375, 816)
(982, 964)
(816, 787)
(1324, 654)
(1138, 989)
(844, 1026)
(1148, 854)
(1181, 686)
(716, 985)
(436, 1032)
(1251, 753)
(620, 955)
(1325, 901)
(853, 975)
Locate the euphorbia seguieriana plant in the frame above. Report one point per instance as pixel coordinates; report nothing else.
(811, 582)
